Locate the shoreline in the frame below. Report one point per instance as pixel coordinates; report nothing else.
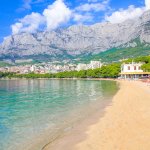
(76, 134)
(77, 128)
(41, 143)
(123, 125)
(59, 78)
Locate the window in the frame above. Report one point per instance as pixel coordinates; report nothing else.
(128, 67)
(139, 68)
(134, 67)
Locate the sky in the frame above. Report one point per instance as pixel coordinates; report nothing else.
(17, 16)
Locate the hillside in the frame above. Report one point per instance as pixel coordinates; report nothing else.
(107, 41)
(122, 52)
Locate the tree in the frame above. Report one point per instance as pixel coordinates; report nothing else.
(146, 67)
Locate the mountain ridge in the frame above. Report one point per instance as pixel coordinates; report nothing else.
(77, 40)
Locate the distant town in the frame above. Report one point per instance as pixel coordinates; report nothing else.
(136, 68)
(43, 68)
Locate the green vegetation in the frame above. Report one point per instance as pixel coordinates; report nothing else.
(106, 71)
(109, 71)
(3, 64)
(132, 49)
(7, 74)
(146, 67)
(116, 54)
(145, 59)
(27, 63)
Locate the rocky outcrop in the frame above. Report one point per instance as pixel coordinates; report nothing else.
(78, 39)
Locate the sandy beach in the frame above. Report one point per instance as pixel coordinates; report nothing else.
(125, 124)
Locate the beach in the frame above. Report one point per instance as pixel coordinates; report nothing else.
(124, 124)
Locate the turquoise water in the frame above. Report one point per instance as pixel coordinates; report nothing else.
(30, 109)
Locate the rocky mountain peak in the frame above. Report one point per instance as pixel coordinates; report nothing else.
(78, 39)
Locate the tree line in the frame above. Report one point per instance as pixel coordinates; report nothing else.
(108, 71)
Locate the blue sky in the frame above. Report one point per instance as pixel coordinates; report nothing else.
(18, 16)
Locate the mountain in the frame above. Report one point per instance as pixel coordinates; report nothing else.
(81, 41)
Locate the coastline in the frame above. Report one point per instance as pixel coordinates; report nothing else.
(123, 125)
(59, 78)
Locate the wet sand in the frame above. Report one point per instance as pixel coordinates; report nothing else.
(125, 124)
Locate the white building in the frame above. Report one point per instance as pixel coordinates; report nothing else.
(33, 68)
(91, 65)
(81, 67)
(133, 71)
(132, 67)
(95, 64)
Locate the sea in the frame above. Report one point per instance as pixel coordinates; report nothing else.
(35, 112)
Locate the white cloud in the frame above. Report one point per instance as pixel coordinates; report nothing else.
(91, 7)
(147, 4)
(80, 19)
(122, 15)
(29, 23)
(129, 13)
(85, 12)
(16, 28)
(56, 14)
(27, 4)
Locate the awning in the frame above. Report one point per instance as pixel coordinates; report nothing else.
(135, 73)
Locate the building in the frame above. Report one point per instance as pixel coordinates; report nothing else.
(72, 67)
(50, 68)
(33, 68)
(133, 71)
(81, 67)
(91, 65)
(95, 64)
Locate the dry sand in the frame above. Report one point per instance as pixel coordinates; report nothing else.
(124, 126)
